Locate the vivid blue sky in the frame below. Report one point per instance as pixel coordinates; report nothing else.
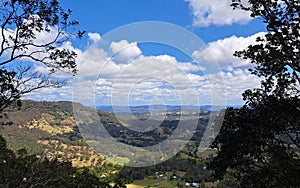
(222, 29)
(106, 15)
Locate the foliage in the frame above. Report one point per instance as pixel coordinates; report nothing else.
(23, 22)
(193, 169)
(261, 140)
(30, 171)
(276, 57)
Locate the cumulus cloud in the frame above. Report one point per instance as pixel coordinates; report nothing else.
(190, 67)
(91, 61)
(125, 52)
(236, 82)
(221, 51)
(230, 85)
(156, 67)
(217, 12)
(142, 79)
(184, 66)
(51, 94)
(233, 84)
(95, 37)
(40, 39)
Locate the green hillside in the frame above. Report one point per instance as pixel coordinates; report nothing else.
(49, 130)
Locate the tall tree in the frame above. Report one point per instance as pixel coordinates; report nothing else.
(33, 33)
(260, 141)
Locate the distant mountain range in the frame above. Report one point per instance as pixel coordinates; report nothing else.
(156, 108)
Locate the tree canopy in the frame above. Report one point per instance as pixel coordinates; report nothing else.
(33, 33)
(260, 141)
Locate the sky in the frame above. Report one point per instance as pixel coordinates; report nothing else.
(175, 52)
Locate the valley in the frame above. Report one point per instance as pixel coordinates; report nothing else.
(50, 130)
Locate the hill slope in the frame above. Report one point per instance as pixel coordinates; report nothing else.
(48, 129)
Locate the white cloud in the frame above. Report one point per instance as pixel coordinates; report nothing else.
(189, 67)
(146, 78)
(59, 74)
(217, 12)
(95, 37)
(236, 82)
(125, 52)
(91, 61)
(40, 39)
(155, 67)
(225, 85)
(51, 94)
(221, 51)
(184, 66)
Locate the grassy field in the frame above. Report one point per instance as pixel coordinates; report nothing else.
(162, 183)
(117, 160)
(147, 182)
(133, 186)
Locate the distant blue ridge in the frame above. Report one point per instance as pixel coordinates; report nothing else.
(146, 108)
